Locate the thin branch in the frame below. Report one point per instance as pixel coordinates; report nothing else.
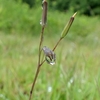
(57, 44)
(36, 75)
(43, 23)
(38, 67)
(40, 45)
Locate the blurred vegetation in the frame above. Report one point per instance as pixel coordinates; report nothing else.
(17, 17)
(87, 7)
(76, 74)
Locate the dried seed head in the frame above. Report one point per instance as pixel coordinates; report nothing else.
(49, 55)
(68, 25)
(44, 13)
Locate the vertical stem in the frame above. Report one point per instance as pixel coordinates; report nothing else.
(40, 45)
(38, 67)
(36, 75)
(40, 63)
(44, 19)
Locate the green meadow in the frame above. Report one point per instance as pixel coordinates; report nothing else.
(76, 74)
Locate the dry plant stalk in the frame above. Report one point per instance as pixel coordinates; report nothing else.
(49, 54)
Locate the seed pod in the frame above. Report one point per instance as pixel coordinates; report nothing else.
(44, 13)
(49, 55)
(68, 25)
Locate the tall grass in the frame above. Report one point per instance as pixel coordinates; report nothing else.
(76, 73)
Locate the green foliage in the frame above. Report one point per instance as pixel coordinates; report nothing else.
(30, 2)
(75, 76)
(86, 7)
(16, 17)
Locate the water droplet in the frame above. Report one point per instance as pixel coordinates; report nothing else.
(52, 63)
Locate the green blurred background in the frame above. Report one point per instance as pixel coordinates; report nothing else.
(76, 74)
